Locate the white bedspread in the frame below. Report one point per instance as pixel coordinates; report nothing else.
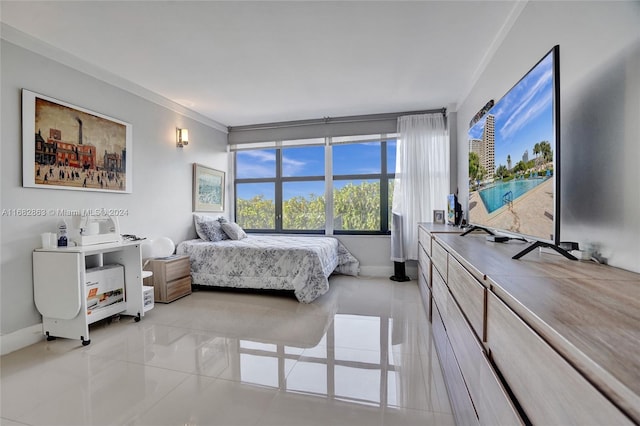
(297, 263)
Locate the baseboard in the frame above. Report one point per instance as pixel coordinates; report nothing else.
(376, 271)
(412, 271)
(387, 271)
(20, 339)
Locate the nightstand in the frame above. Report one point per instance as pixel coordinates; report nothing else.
(171, 277)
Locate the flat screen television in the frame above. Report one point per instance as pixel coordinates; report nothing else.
(454, 210)
(514, 160)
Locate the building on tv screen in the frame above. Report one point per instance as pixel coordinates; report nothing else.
(511, 159)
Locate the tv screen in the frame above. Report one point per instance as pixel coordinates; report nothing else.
(514, 158)
(454, 210)
(451, 209)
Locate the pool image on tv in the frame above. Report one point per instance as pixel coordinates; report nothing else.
(511, 159)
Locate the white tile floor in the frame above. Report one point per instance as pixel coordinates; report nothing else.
(360, 355)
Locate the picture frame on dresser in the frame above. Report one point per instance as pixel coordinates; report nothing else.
(208, 189)
(438, 216)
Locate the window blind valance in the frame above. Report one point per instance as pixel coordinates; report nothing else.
(317, 129)
(277, 144)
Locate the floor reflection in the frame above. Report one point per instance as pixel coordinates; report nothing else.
(354, 361)
(361, 356)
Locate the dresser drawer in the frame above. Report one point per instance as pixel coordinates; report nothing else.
(439, 290)
(171, 278)
(425, 291)
(177, 269)
(495, 407)
(424, 262)
(424, 238)
(461, 403)
(469, 294)
(439, 258)
(493, 404)
(439, 335)
(548, 388)
(178, 288)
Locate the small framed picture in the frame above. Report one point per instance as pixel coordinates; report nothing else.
(438, 216)
(208, 189)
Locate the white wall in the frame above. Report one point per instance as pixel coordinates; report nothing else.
(160, 204)
(372, 251)
(600, 115)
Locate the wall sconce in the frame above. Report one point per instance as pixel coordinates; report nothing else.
(182, 137)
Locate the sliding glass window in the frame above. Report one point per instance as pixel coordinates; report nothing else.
(361, 183)
(282, 189)
(256, 189)
(303, 203)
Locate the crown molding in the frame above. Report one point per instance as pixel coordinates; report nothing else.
(518, 7)
(21, 39)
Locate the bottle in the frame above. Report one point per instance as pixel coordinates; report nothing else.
(62, 233)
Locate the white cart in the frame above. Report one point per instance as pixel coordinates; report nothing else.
(61, 290)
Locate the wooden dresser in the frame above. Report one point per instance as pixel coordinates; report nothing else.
(424, 257)
(541, 340)
(171, 277)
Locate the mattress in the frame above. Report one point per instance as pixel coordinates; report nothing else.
(273, 262)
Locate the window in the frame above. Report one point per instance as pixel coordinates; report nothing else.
(362, 377)
(255, 189)
(255, 205)
(356, 186)
(303, 206)
(361, 177)
(283, 189)
(303, 203)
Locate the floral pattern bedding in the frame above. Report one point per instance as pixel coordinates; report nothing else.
(301, 264)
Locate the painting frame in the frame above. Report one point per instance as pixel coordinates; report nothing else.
(208, 183)
(438, 216)
(81, 150)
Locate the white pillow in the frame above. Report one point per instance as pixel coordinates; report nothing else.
(233, 230)
(198, 219)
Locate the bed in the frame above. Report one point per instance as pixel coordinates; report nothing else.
(273, 262)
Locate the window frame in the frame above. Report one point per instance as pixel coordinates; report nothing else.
(383, 178)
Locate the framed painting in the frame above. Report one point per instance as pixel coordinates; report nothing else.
(208, 189)
(438, 216)
(68, 147)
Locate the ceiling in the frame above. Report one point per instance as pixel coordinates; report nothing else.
(246, 62)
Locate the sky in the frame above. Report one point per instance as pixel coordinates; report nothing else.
(102, 132)
(348, 159)
(524, 116)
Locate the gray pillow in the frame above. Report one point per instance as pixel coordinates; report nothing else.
(213, 231)
(233, 230)
(208, 228)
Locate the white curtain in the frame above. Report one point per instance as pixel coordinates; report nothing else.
(422, 179)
